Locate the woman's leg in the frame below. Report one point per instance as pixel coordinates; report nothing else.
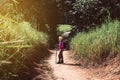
(60, 56)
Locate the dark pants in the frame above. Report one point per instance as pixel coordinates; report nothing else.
(60, 56)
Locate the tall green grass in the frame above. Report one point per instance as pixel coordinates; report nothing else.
(20, 46)
(98, 43)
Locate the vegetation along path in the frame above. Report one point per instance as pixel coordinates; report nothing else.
(69, 70)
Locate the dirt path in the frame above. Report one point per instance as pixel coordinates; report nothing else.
(69, 70)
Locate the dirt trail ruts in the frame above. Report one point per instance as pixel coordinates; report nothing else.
(69, 70)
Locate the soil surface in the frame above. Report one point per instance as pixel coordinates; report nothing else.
(69, 70)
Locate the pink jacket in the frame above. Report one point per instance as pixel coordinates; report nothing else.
(61, 45)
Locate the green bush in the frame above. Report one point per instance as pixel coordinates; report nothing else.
(20, 46)
(97, 44)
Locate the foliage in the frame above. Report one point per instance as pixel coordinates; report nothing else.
(89, 13)
(42, 14)
(64, 11)
(20, 42)
(98, 43)
(63, 28)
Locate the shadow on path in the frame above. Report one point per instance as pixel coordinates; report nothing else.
(70, 64)
(70, 70)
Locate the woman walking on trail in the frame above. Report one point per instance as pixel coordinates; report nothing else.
(61, 48)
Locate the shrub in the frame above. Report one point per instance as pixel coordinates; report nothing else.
(20, 46)
(98, 43)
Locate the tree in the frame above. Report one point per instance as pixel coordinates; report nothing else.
(88, 13)
(42, 13)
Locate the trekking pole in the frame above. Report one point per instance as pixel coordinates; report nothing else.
(56, 54)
